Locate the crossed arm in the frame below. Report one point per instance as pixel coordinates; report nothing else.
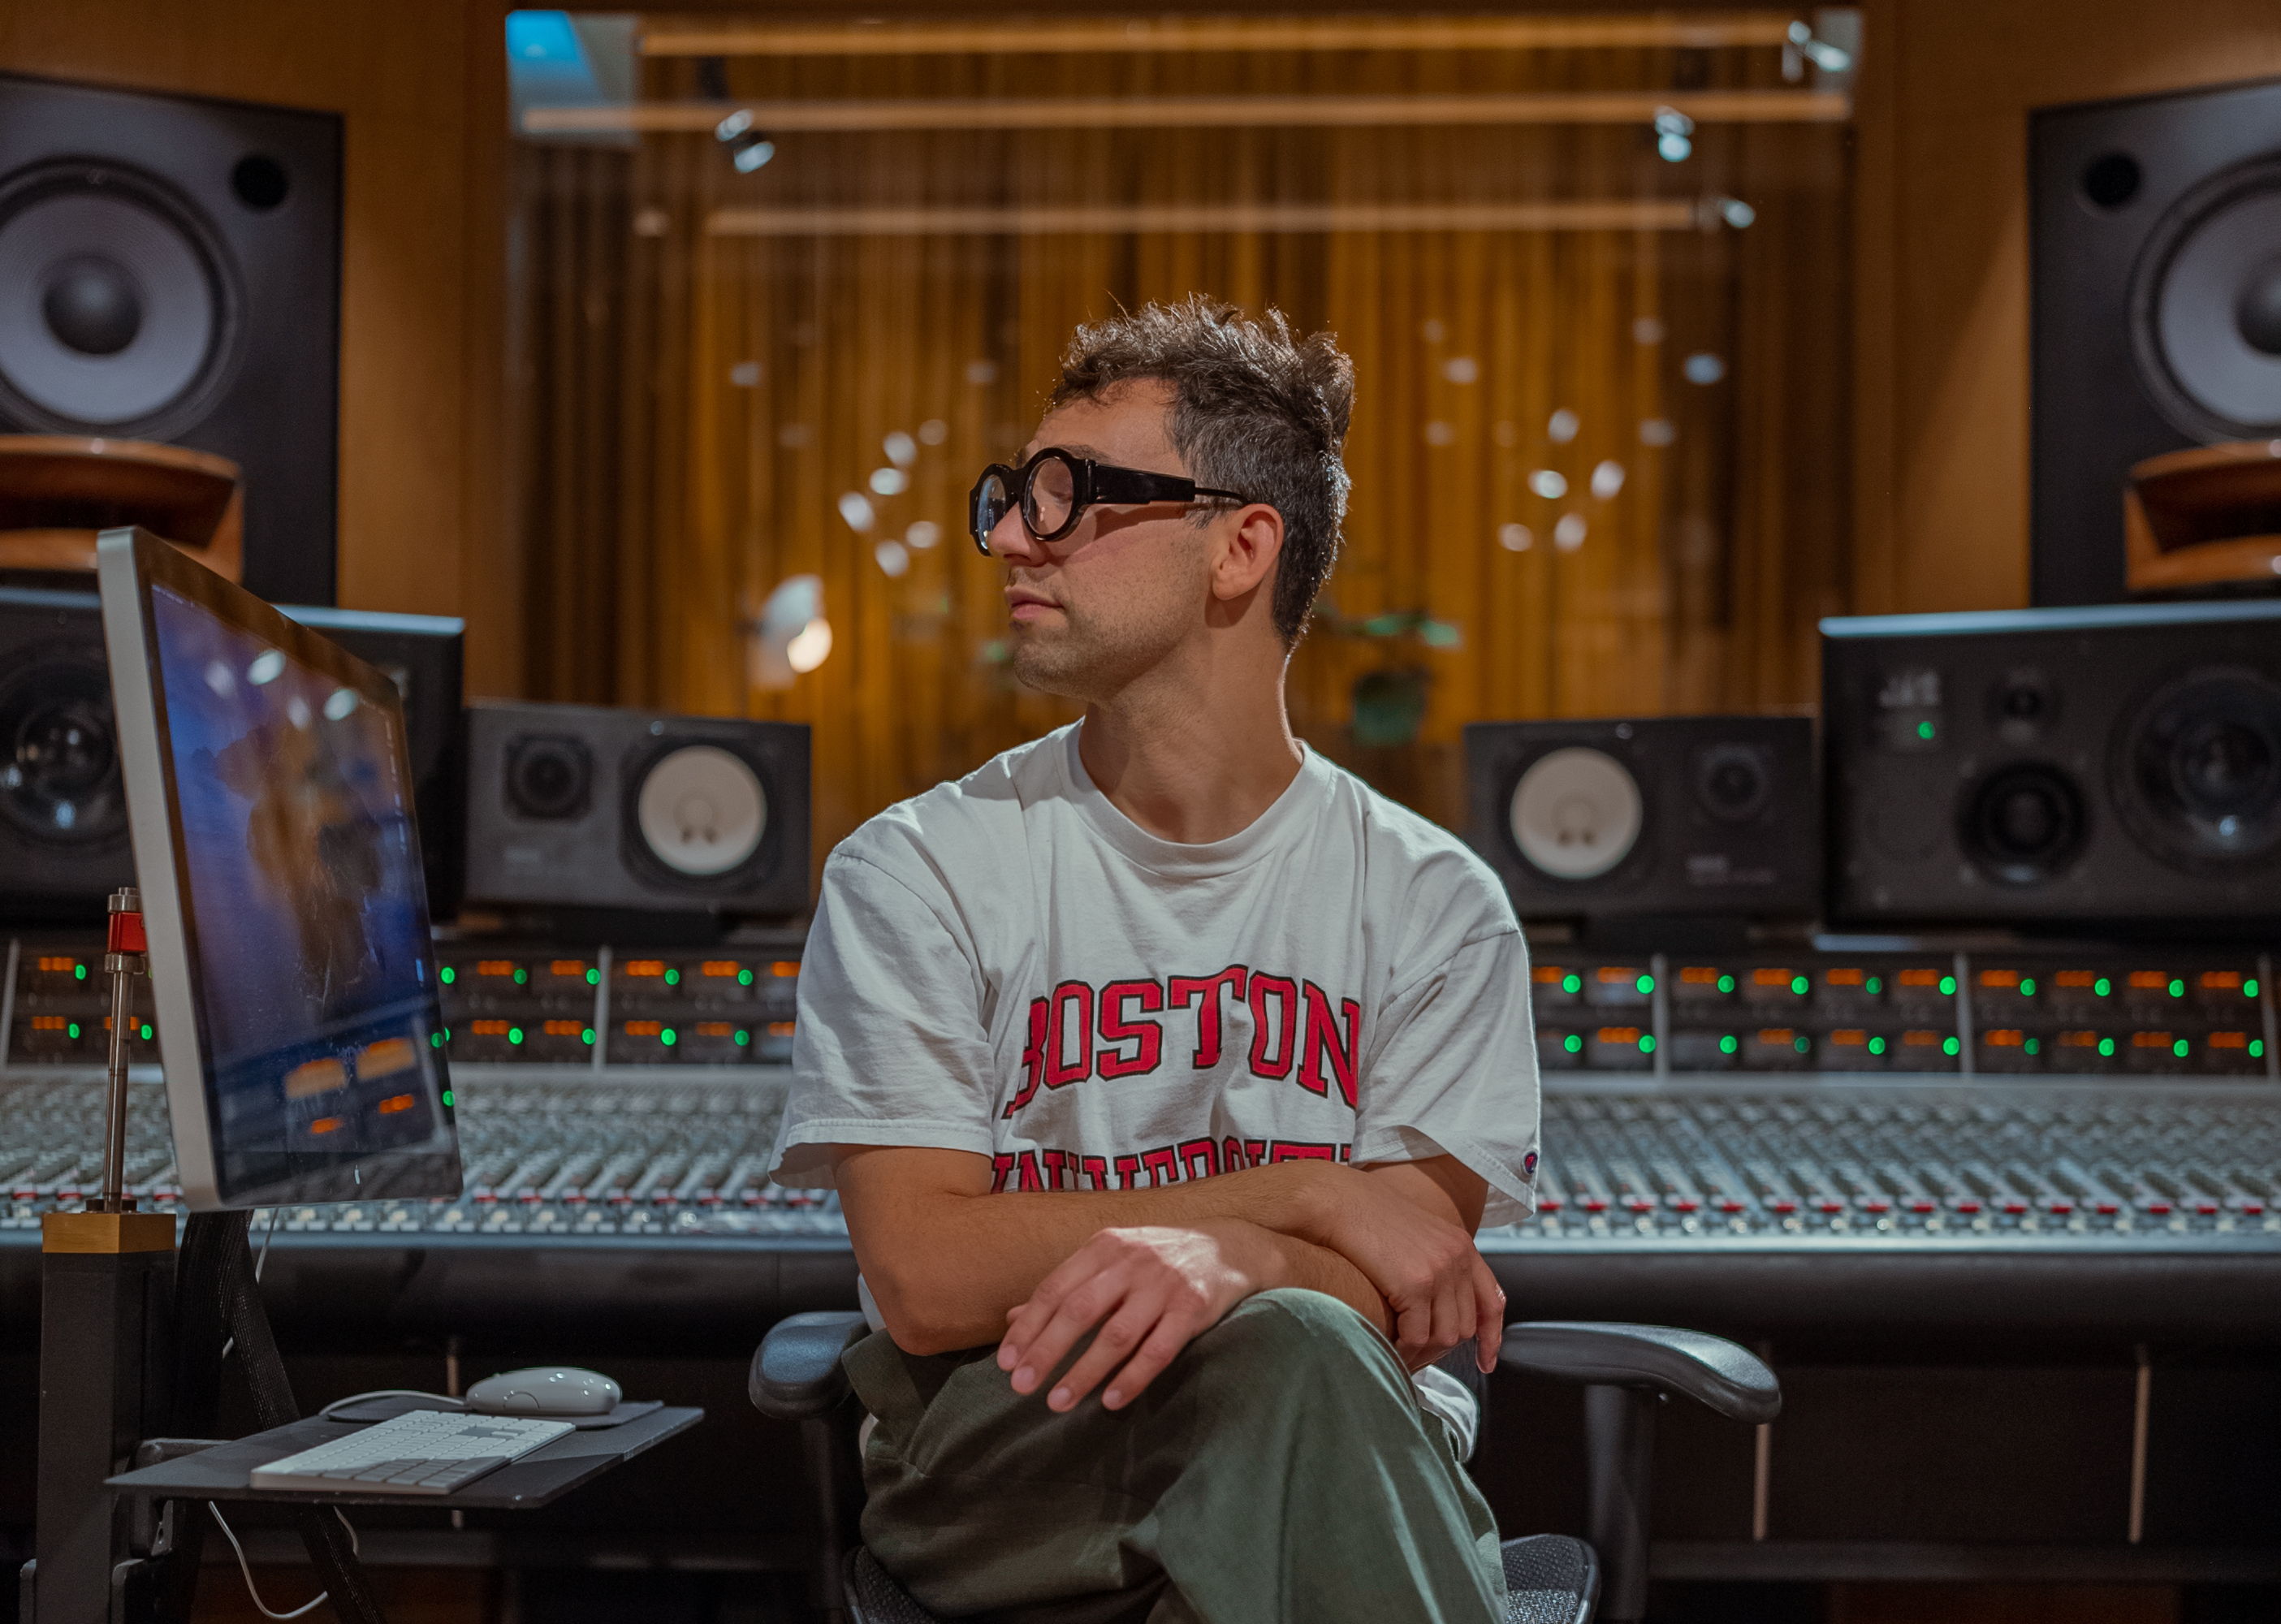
(953, 1265)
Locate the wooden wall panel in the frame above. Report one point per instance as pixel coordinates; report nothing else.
(1696, 585)
(424, 522)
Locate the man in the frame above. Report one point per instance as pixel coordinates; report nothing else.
(1164, 1071)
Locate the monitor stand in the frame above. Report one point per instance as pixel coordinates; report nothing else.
(131, 1345)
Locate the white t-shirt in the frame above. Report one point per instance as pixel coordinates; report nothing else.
(1010, 965)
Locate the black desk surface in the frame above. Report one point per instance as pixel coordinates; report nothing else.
(545, 1474)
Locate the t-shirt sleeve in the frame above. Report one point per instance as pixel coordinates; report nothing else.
(890, 1047)
(1453, 1072)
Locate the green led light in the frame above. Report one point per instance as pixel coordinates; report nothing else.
(1571, 984)
(521, 976)
(668, 1037)
(743, 1037)
(1799, 1044)
(2027, 986)
(434, 1040)
(1646, 984)
(1726, 984)
(1798, 984)
(2249, 987)
(1948, 987)
(1727, 1045)
(146, 1032)
(1647, 1043)
(594, 977)
(514, 1034)
(74, 1029)
(2102, 986)
(2177, 987)
(1874, 985)
(1572, 1043)
(2179, 1049)
(2107, 1046)
(447, 1099)
(1877, 1046)
(588, 1035)
(2257, 1048)
(743, 978)
(2033, 1046)
(1948, 1046)
(79, 972)
(673, 977)
(1924, 730)
(449, 975)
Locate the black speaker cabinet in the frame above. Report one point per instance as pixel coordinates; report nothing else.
(1668, 818)
(63, 808)
(63, 804)
(172, 269)
(573, 807)
(2097, 767)
(2156, 264)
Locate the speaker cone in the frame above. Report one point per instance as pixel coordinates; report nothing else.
(1575, 814)
(549, 777)
(1732, 782)
(2024, 823)
(700, 811)
(60, 780)
(2205, 306)
(118, 310)
(2199, 770)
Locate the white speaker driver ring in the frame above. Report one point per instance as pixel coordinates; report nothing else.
(1576, 813)
(701, 810)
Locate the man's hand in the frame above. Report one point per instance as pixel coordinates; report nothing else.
(1404, 1226)
(1149, 1290)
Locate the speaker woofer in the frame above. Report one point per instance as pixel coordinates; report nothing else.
(2198, 772)
(2023, 824)
(2206, 307)
(1575, 814)
(118, 307)
(1733, 782)
(549, 777)
(59, 777)
(699, 812)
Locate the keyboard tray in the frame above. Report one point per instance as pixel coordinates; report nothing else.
(540, 1478)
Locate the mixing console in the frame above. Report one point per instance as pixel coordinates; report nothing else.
(2112, 1015)
(552, 1157)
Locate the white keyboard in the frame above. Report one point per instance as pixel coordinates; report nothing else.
(419, 1452)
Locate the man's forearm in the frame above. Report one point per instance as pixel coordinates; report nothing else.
(947, 1267)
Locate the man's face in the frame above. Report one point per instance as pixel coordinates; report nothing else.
(1113, 598)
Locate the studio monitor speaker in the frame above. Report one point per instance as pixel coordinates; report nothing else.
(2156, 320)
(573, 807)
(1660, 819)
(170, 270)
(2100, 767)
(63, 808)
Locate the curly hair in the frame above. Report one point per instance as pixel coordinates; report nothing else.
(1255, 409)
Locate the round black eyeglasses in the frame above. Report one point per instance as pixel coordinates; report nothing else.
(1054, 488)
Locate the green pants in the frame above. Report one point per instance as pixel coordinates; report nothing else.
(1279, 1469)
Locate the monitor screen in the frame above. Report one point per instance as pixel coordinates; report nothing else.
(297, 876)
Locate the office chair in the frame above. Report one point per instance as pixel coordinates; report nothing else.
(1625, 1370)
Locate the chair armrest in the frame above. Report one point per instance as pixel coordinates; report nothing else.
(796, 1375)
(1719, 1374)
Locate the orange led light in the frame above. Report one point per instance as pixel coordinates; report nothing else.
(396, 1103)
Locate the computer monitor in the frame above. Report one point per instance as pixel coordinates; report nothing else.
(269, 797)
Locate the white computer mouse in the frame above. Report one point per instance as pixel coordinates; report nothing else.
(544, 1389)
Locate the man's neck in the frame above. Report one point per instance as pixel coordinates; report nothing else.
(1194, 756)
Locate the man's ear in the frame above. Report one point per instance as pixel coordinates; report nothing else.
(1244, 553)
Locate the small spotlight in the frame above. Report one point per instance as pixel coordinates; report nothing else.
(1674, 133)
(749, 149)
